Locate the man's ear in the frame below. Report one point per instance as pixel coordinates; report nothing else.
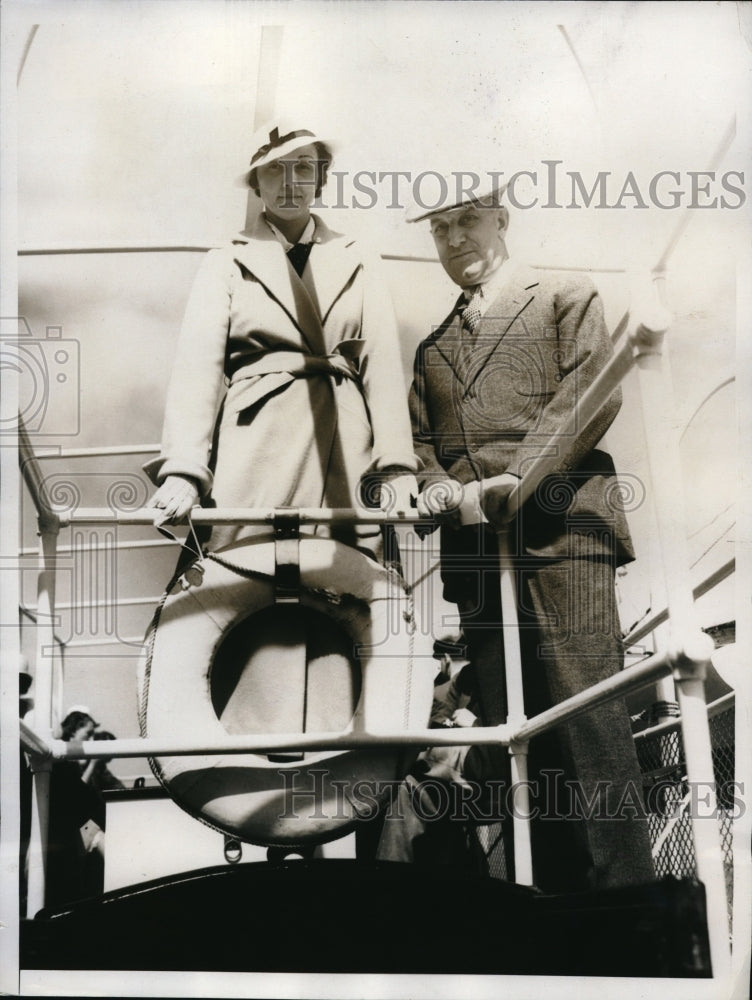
(502, 220)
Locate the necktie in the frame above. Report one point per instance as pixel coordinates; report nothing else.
(298, 256)
(470, 312)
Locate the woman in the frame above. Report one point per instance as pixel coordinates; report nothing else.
(76, 814)
(294, 320)
(78, 725)
(97, 773)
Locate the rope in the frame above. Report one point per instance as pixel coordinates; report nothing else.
(409, 617)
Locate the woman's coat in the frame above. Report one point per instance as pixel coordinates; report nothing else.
(312, 373)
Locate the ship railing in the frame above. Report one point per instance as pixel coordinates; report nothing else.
(684, 657)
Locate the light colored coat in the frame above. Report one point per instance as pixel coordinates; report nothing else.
(312, 373)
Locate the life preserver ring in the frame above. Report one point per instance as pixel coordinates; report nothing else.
(222, 656)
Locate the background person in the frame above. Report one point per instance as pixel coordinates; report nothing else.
(97, 773)
(426, 820)
(75, 809)
(97, 776)
(77, 725)
(25, 784)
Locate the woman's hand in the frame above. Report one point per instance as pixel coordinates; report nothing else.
(393, 490)
(398, 493)
(174, 499)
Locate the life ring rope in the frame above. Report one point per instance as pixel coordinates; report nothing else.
(144, 702)
(151, 634)
(409, 617)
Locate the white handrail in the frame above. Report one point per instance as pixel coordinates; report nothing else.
(686, 661)
(660, 617)
(720, 705)
(631, 679)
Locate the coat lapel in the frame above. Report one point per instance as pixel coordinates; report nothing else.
(262, 255)
(333, 261)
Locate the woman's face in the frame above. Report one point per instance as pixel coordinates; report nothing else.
(84, 731)
(288, 186)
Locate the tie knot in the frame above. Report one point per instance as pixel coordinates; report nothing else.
(298, 256)
(470, 311)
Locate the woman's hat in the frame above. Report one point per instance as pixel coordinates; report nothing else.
(83, 710)
(278, 139)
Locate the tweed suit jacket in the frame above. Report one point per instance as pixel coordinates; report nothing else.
(484, 406)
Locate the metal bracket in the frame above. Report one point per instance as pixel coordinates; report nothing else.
(233, 850)
(689, 661)
(286, 526)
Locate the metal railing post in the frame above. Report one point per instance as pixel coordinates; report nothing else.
(38, 837)
(523, 858)
(49, 527)
(668, 496)
(43, 671)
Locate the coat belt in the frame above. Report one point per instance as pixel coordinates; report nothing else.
(294, 363)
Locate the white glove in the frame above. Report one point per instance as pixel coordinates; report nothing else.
(174, 499)
(398, 493)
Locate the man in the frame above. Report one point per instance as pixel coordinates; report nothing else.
(491, 383)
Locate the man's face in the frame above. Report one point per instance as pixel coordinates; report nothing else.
(288, 186)
(470, 242)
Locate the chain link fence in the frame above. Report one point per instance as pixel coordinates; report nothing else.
(668, 799)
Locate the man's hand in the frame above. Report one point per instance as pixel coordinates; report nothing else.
(445, 763)
(447, 701)
(493, 500)
(462, 718)
(441, 500)
(173, 500)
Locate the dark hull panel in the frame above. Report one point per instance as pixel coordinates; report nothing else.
(347, 916)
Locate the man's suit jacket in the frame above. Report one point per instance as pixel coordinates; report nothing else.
(308, 368)
(488, 406)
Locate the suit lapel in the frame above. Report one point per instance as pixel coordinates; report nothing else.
(501, 314)
(466, 360)
(449, 341)
(508, 305)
